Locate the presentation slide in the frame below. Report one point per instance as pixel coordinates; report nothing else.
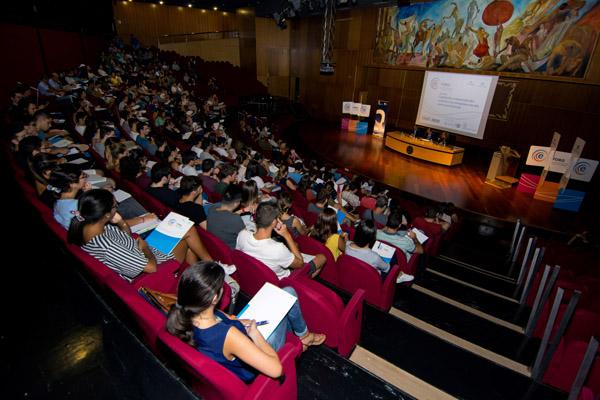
(457, 103)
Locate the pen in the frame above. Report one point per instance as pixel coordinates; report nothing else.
(260, 323)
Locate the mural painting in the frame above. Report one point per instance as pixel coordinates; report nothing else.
(549, 37)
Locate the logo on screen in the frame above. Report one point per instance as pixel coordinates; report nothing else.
(539, 155)
(581, 167)
(435, 82)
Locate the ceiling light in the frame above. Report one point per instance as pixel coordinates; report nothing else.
(161, 2)
(215, 8)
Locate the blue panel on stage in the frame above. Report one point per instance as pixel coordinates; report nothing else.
(361, 128)
(569, 200)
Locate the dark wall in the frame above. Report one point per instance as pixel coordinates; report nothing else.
(29, 52)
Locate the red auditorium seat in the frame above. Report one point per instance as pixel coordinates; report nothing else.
(355, 274)
(565, 364)
(252, 274)
(312, 246)
(324, 312)
(215, 382)
(433, 231)
(149, 319)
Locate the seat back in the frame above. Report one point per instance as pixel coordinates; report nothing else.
(214, 382)
(312, 246)
(209, 379)
(324, 312)
(310, 218)
(251, 273)
(433, 231)
(356, 274)
(217, 249)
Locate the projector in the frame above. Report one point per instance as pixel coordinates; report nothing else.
(327, 68)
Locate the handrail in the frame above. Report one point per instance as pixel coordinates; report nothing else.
(197, 36)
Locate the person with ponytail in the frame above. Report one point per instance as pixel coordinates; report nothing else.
(327, 232)
(235, 344)
(103, 233)
(65, 182)
(293, 223)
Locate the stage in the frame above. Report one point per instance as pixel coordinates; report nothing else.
(462, 184)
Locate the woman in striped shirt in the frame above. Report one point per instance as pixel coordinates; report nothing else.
(103, 233)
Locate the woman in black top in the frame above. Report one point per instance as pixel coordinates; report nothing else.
(190, 202)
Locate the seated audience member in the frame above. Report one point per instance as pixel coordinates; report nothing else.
(293, 224)
(361, 248)
(235, 344)
(66, 182)
(305, 187)
(275, 255)
(102, 135)
(350, 194)
(159, 187)
(248, 204)
(208, 181)
(378, 214)
(326, 231)
(190, 200)
(405, 241)
(188, 163)
(113, 154)
(168, 155)
(131, 169)
(145, 140)
(321, 203)
(252, 171)
(227, 174)
(222, 221)
(104, 234)
(432, 216)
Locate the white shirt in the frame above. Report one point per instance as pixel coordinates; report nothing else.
(188, 170)
(271, 253)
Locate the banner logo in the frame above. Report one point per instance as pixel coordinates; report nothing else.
(581, 167)
(539, 155)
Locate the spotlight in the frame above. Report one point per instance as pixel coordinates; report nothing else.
(280, 20)
(216, 8)
(161, 2)
(190, 5)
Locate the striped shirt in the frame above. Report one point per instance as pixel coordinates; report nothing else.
(119, 251)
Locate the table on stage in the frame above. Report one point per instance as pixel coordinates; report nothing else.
(424, 149)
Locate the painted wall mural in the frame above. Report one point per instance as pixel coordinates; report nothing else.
(550, 37)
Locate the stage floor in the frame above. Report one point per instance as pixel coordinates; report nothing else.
(463, 184)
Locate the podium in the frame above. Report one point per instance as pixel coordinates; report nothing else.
(498, 173)
(424, 149)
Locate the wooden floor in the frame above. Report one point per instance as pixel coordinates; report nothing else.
(463, 185)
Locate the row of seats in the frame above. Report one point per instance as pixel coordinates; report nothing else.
(208, 378)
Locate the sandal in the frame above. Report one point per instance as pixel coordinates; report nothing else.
(312, 339)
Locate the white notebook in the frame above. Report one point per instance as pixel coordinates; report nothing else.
(121, 195)
(269, 304)
(421, 236)
(385, 251)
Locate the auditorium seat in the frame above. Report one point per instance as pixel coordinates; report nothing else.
(565, 364)
(355, 274)
(324, 312)
(215, 382)
(148, 318)
(252, 274)
(433, 231)
(312, 246)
